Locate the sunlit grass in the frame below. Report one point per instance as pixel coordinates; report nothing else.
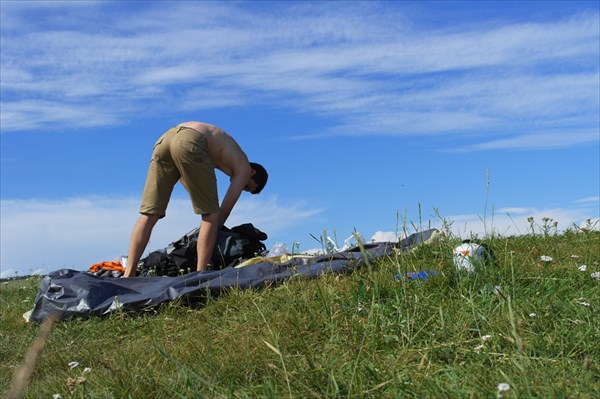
(523, 328)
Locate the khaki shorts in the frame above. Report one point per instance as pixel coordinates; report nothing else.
(180, 153)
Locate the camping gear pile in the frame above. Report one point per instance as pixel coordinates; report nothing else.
(70, 293)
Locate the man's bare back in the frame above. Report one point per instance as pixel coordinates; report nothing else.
(224, 152)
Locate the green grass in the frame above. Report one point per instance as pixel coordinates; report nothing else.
(363, 335)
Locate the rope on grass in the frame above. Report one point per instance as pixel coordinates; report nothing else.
(25, 371)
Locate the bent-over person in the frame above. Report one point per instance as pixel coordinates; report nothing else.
(189, 153)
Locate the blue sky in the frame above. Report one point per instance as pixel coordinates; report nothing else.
(369, 116)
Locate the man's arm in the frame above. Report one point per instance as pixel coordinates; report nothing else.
(238, 181)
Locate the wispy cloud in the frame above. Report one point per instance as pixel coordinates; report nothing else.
(537, 141)
(365, 65)
(507, 224)
(588, 200)
(78, 232)
(509, 221)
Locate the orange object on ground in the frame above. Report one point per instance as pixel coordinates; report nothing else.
(108, 265)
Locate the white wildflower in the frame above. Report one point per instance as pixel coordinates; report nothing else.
(486, 338)
(57, 396)
(545, 258)
(503, 387)
(87, 370)
(532, 315)
(582, 303)
(479, 347)
(72, 365)
(582, 268)
(595, 275)
(575, 256)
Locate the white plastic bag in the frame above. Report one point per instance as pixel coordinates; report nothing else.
(353, 241)
(466, 255)
(279, 248)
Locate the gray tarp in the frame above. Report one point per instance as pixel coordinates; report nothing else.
(68, 293)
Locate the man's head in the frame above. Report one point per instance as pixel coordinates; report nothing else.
(258, 180)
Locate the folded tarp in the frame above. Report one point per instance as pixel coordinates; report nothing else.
(69, 293)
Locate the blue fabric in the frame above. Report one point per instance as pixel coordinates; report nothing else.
(69, 293)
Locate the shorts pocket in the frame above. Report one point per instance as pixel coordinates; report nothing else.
(196, 150)
(158, 152)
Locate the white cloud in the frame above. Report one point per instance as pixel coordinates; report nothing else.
(271, 213)
(538, 140)
(49, 112)
(357, 64)
(514, 221)
(78, 232)
(516, 211)
(40, 236)
(385, 236)
(509, 221)
(587, 200)
(10, 273)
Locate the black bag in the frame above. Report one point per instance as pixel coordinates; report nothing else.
(241, 242)
(180, 257)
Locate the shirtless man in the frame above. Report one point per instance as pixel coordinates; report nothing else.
(189, 153)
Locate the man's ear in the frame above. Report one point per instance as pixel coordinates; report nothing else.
(253, 172)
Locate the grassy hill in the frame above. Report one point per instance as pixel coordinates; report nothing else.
(530, 324)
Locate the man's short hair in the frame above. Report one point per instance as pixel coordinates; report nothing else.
(260, 177)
